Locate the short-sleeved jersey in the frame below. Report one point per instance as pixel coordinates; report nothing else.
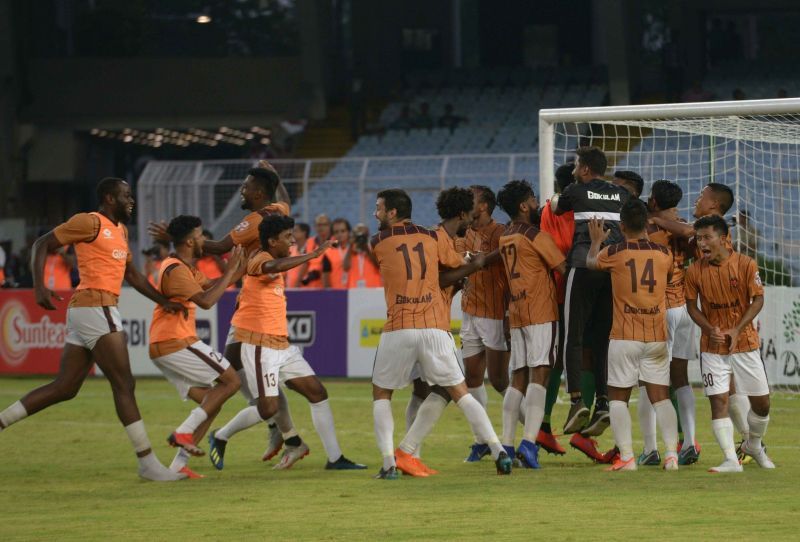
(410, 257)
(261, 316)
(562, 229)
(678, 247)
(725, 293)
(179, 282)
(639, 275)
(529, 255)
(486, 290)
(597, 198)
(246, 232)
(101, 248)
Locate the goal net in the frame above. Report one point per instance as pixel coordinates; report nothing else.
(751, 146)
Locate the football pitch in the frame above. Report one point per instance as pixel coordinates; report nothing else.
(68, 473)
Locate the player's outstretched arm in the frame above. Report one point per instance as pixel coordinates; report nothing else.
(453, 276)
(598, 235)
(681, 229)
(233, 272)
(218, 247)
(284, 264)
(139, 282)
(41, 248)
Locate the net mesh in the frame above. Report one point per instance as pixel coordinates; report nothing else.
(758, 156)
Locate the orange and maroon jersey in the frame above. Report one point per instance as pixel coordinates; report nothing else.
(678, 247)
(529, 255)
(246, 232)
(261, 315)
(101, 248)
(172, 332)
(725, 293)
(562, 229)
(639, 272)
(450, 292)
(410, 257)
(486, 290)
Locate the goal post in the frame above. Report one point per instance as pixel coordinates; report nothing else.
(753, 146)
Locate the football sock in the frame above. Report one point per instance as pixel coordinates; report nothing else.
(384, 430)
(686, 410)
(479, 421)
(758, 426)
(247, 417)
(621, 427)
(244, 388)
(668, 421)
(647, 420)
(587, 388)
(429, 413)
(511, 407)
(180, 460)
(553, 387)
(322, 418)
(412, 409)
(480, 394)
(12, 414)
(723, 432)
(138, 436)
(190, 424)
(535, 397)
(738, 406)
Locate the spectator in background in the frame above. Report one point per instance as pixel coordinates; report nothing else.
(424, 118)
(57, 268)
(312, 271)
(333, 273)
(747, 235)
(697, 93)
(404, 121)
(301, 233)
(449, 119)
(211, 265)
(153, 258)
(738, 94)
(360, 263)
(630, 181)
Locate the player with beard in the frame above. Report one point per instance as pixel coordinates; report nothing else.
(417, 328)
(484, 304)
(530, 256)
(94, 327)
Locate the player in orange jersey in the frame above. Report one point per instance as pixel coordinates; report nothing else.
(94, 327)
(484, 304)
(731, 296)
(427, 403)
(529, 256)
(640, 271)
(195, 369)
(267, 356)
(417, 326)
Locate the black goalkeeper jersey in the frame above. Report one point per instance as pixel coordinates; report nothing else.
(597, 198)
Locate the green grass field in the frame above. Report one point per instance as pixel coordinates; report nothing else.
(68, 473)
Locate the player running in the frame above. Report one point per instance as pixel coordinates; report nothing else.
(529, 256)
(417, 327)
(484, 304)
(195, 369)
(267, 357)
(94, 327)
(637, 351)
(731, 296)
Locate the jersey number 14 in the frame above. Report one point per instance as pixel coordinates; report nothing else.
(648, 277)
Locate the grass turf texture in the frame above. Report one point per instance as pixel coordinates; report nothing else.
(68, 473)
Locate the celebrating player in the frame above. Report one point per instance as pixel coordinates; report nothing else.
(731, 295)
(94, 328)
(529, 256)
(417, 327)
(191, 365)
(637, 351)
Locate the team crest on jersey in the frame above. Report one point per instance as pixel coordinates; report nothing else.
(243, 225)
(107, 233)
(758, 278)
(734, 282)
